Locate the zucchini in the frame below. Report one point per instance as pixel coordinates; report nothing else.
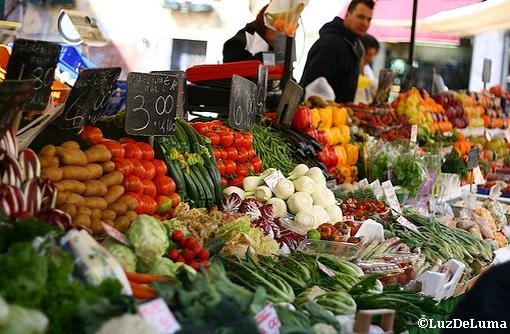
(200, 179)
(201, 200)
(208, 182)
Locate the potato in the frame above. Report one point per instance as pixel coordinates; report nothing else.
(48, 150)
(131, 215)
(119, 208)
(54, 174)
(70, 209)
(82, 220)
(112, 178)
(131, 202)
(76, 173)
(83, 210)
(96, 213)
(62, 197)
(96, 171)
(109, 222)
(114, 193)
(122, 223)
(48, 161)
(96, 202)
(108, 166)
(72, 157)
(98, 153)
(108, 215)
(97, 227)
(73, 186)
(70, 144)
(95, 188)
(76, 199)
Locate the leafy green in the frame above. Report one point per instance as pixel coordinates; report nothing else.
(23, 230)
(378, 168)
(454, 164)
(408, 173)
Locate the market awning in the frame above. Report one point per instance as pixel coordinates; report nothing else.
(392, 20)
(490, 15)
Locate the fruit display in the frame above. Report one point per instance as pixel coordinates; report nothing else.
(473, 110)
(381, 122)
(496, 148)
(453, 108)
(361, 210)
(233, 151)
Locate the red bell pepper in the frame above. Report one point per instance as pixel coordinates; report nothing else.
(302, 118)
(321, 137)
(324, 156)
(333, 158)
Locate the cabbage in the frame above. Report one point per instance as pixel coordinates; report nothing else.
(149, 238)
(122, 253)
(229, 230)
(165, 266)
(24, 320)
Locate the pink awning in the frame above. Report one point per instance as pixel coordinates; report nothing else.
(392, 20)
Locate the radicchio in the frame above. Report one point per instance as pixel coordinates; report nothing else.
(287, 237)
(267, 212)
(265, 226)
(251, 207)
(231, 203)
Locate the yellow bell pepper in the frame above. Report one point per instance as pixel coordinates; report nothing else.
(341, 155)
(316, 118)
(326, 115)
(352, 153)
(345, 134)
(339, 116)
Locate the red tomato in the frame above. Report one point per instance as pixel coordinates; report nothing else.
(216, 122)
(115, 149)
(248, 140)
(230, 167)
(223, 182)
(217, 153)
(149, 188)
(242, 171)
(249, 166)
(226, 138)
(201, 127)
(231, 153)
(243, 155)
(176, 199)
(257, 164)
(91, 135)
(147, 151)
(138, 169)
(160, 167)
(140, 208)
(150, 204)
(237, 181)
(251, 153)
(150, 170)
(124, 140)
(125, 166)
(132, 151)
(133, 184)
(214, 137)
(238, 139)
(165, 185)
(224, 154)
(164, 204)
(221, 167)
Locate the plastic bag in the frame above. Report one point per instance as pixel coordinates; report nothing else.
(492, 204)
(283, 15)
(320, 87)
(487, 226)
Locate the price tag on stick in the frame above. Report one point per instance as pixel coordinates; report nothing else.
(34, 60)
(152, 103)
(243, 103)
(89, 97)
(13, 94)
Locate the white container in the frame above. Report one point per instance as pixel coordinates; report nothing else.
(436, 285)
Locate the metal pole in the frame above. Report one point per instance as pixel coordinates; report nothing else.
(413, 33)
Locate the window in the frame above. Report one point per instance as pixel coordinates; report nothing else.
(187, 53)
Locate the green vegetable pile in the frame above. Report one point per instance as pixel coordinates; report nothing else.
(408, 173)
(272, 149)
(454, 164)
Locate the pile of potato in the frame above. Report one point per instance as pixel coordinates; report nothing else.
(88, 187)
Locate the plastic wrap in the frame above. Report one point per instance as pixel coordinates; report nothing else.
(283, 15)
(494, 206)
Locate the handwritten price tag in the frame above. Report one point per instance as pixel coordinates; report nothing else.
(273, 179)
(488, 135)
(115, 234)
(391, 196)
(414, 133)
(157, 313)
(325, 269)
(478, 176)
(363, 183)
(268, 321)
(406, 223)
(377, 189)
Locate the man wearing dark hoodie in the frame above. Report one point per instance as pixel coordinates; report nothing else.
(337, 54)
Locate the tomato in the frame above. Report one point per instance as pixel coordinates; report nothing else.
(150, 204)
(224, 154)
(140, 208)
(201, 127)
(236, 181)
(125, 166)
(216, 122)
(176, 199)
(231, 153)
(133, 183)
(230, 167)
(149, 188)
(214, 137)
(147, 151)
(91, 135)
(257, 164)
(221, 167)
(217, 153)
(249, 167)
(248, 140)
(165, 186)
(226, 138)
(124, 140)
(115, 148)
(238, 139)
(164, 204)
(150, 170)
(251, 153)
(242, 171)
(160, 167)
(138, 168)
(223, 182)
(132, 151)
(242, 155)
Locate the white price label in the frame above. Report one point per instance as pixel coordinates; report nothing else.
(406, 223)
(488, 135)
(273, 179)
(391, 196)
(507, 135)
(325, 269)
(115, 234)
(268, 321)
(377, 189)
(478, 176)
(446, 150)
(157, 313)
(414, 133)
(477, 132)
(363, 183)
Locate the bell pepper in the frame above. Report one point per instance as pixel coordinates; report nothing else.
(316, 118)
(326, 115)
(326, 230)
(333, 158)
(339, 116)
(321, 137)
(302, 119)
(324, 156)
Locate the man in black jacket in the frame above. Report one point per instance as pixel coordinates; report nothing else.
(337, 54)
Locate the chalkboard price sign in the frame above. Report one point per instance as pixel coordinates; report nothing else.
(13, 94)
(180, 76)
(89, 97)
(34, 60)
(289, 102)
(243, 103)
(152, 102)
